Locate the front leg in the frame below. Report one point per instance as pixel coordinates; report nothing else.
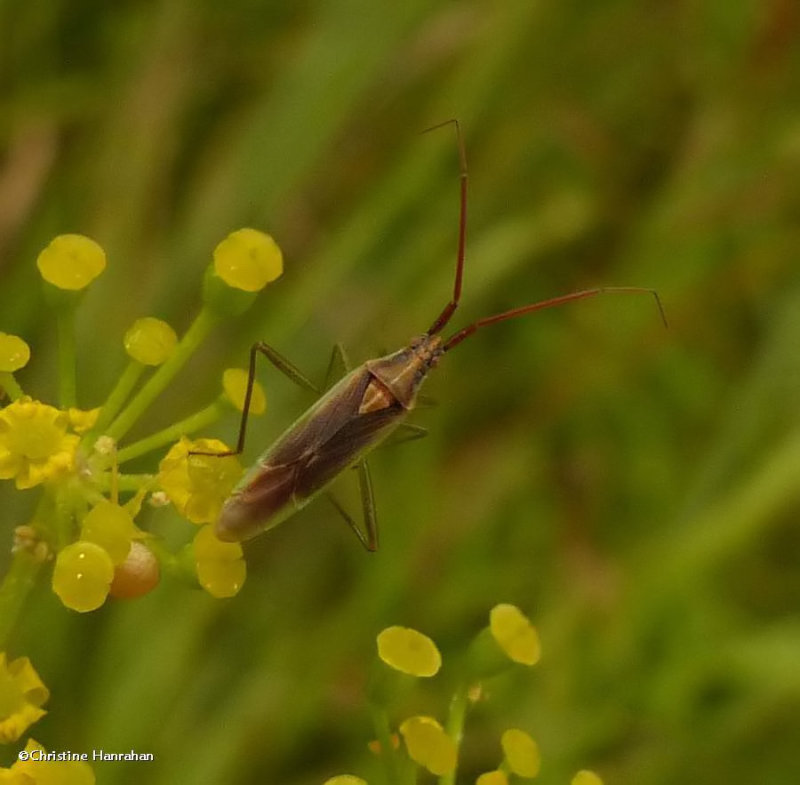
(287, 368)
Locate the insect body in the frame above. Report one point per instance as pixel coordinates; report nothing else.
(337, 432)
(356, 415)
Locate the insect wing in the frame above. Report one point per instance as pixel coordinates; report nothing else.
(320, 423)
(260, 504)
(346, 447)
(326, 440)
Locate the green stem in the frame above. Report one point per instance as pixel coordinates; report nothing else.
(194, 422)
(161, 378)
(9, 384)
(383, 732)
(126, 482)
(455, 727)
(167, 560)
(116, 399)
(63, 518)
(67, 368)
(14, 590)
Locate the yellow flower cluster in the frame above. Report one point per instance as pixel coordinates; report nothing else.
(508, 640)
(35, 445)
(198, 484)
(86, 569)
(221, 569)
(427, 742)
(74, 453)
(22, 695)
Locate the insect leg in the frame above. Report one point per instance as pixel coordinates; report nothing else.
(288, 369)
(368, 506)
(285, 367)
(338, 365)
(340, 360)
(406, 432)
(425, 402)
(370, 539)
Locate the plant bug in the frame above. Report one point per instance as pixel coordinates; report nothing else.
(357, 413)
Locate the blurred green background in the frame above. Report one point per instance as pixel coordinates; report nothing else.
(635, 490)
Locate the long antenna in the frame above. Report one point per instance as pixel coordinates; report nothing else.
(553, 302)
(449, 309)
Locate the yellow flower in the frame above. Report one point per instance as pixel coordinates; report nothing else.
(150, 341)
(221, 569)
(22, 694)
(496, 777)
(428, 745)
(112, 528)
(409, 651)
(81, 420)
(198, 484)
(14, 353)
(234, 384)
(586, 777)
(34, 443)
(11, 777)
(522, 753)
(248, 260)
(35, 771)
(71, 261)
(514, 633)
(82, 576)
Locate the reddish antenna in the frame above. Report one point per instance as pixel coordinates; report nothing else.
(553, 302)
